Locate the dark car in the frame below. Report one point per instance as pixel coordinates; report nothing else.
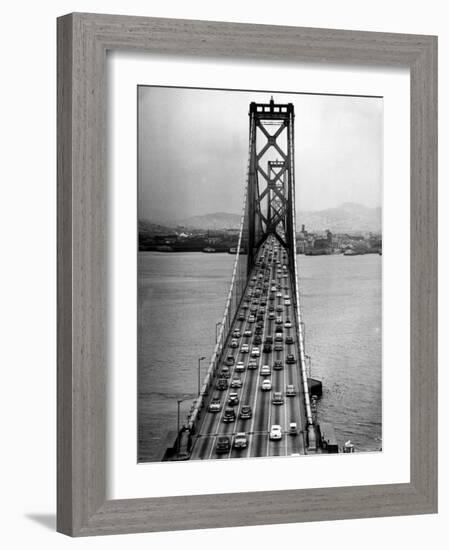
(241, 317)
(269, 339)
(233, 399)
(289, 340)
(267, 348)
(279, 328)
(278, 346)
(290, 359)
(229, 415)
(258, 330)
(223, 445)
(225, 372)
(277, 365)
(257, 339)
(230, 360)
(222, 384)
(245, 412)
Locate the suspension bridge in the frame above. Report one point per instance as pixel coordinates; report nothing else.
(257, 397)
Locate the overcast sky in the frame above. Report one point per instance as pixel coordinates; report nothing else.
(193, 150)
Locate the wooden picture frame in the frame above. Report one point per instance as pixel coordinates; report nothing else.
(83, 40)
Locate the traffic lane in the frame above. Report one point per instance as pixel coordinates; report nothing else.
(276, 447)
(258, 447)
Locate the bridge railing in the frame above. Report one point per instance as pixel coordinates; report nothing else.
(299, 322)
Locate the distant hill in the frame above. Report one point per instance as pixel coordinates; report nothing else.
(346, 217)
(216, 220)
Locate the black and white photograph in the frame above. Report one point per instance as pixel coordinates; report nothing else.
(259, 274)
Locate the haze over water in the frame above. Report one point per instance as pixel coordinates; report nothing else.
(182, 297)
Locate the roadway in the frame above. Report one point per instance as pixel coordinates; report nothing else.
(269, 287)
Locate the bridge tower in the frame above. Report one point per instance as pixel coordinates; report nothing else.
(271, 193)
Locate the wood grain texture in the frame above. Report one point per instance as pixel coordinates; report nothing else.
(83, 40)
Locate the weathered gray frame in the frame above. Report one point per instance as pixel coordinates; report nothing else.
(83, 40)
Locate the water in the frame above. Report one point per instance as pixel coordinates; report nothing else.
(182, 297)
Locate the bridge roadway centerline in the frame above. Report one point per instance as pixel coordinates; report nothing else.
(265, 413)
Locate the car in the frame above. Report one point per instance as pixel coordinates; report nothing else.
(277, 365)
(279, 329)
(253, 364)
(225, 372)
(229, 415)
(265, 370)
(259, 317)
(266, 385)
(275, 432)
(287, 303)
(271, 307)
(255, 352)
(236, 383)
(223, 444)
(269, 339)
(240, 366)
(234, 343)
(267, 348)
(278, 346)
(245, 412)
(279, 309)
(253, 310)
(214, 405)
(241, 316)
(289, 340)
(286, 297)
(230, 360)
(247, 334)
(271, 315)
(290, 359)
(290, 390)
(278, 337)
(271, 297)
(240, 440)
(278, 294)
(233, 399)
(293, 428)
(244, 348)
(257, 339)
(251, 319)
(288, 324)
(222, 384)
(236, 334)
(259, 330)
(245, 305)
(277, 398)
(279, 320)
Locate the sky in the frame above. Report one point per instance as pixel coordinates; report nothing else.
(193, 150)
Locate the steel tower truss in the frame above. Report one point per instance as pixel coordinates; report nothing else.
(271, 177)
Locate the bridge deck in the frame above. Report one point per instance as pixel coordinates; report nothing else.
(264, 412)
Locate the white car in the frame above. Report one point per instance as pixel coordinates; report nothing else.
(240, 366)
(266, 385)
(255, 352)
(288, 324)
(265, 370)
(279, 294)
(275, 432)
(244, 348)
(251, 319)
(288, 303)
(240, 440)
